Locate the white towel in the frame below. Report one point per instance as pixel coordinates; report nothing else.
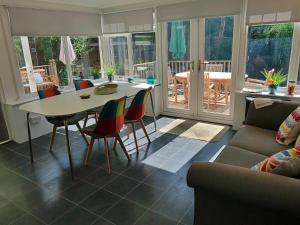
(263, 102)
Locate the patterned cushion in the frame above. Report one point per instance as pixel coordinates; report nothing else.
(289, 129)
(286, 163)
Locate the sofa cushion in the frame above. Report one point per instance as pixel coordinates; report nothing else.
(286, 163)
(257, 140)
(239, 157)
(289, 129)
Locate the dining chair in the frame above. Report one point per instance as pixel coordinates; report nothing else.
(214, 67)
(59, 121)
(135, 114)
(208, 90)
(109, 124)
(83, 84)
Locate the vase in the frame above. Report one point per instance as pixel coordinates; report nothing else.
(110, 78)
(272, 89)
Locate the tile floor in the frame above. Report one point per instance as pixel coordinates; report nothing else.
(133, 194)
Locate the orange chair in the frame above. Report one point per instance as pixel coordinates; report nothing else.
(109, 124)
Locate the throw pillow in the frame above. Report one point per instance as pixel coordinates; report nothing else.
(286, 163)
(289, 129)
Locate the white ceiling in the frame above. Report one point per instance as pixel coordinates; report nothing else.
(107, 5)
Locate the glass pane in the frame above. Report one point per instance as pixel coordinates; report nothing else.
(269, 47)
(218, 57)
(120, 55)
(179, 64)
(87, 62)
(39, 62)
(144, 55)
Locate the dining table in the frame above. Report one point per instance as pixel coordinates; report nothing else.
(217, 78)
(71, 103)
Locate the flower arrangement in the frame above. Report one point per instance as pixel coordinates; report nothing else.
(274, 79)
(110, 71)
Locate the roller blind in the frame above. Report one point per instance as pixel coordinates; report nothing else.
(273, 11)
(28, 22)
(127, 22)
(200, 8)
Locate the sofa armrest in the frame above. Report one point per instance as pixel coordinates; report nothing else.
(249, 187)
(269, 117)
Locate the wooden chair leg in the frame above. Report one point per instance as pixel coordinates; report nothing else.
(52, 137)
(86, 118)
(144, 129)
(115, 144)
(107, 154)
(89, 152)
(135, 139)
(123, 146)
(96, 118)
(128, 130)
(82, 134)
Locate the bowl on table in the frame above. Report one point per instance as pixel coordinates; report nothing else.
(106, 89)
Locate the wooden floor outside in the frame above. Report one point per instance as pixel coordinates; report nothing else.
(220, 107)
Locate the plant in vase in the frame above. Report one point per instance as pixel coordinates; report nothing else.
(95, 71)
(274, 79)
(110, 71)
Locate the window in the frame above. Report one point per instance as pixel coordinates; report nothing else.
(269, 47)
(43, 61)
(131, 54)
(87, 63)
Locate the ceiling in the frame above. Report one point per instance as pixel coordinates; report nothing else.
(106, 5)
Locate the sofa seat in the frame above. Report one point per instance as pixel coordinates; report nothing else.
(259, 140)
(239, 157)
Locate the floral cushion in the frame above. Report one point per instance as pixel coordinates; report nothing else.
(289, 129)
(286, 163)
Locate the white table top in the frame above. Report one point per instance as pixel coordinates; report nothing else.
(71, 103)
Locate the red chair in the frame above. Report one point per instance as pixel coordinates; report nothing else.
(135, 114)
(58, 121)
(83, 84)
(109, 124)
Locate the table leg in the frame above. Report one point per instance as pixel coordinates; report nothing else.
(152, 105)
(69, 148)
(29, 138)
(216, 86)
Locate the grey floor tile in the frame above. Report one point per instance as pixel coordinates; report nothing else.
(28, 220)
(121, 185)
(76, 216)
(124, 213)
(10, 213)
(150, 218)
(102, 221)
(101, 178)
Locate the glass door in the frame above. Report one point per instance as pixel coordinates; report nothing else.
(177, 65)
(216, 37)
(198, 67)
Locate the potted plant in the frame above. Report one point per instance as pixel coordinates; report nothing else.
(274, 79)
(95, 71)
(110, 71)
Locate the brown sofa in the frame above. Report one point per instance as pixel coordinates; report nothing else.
(228, 192)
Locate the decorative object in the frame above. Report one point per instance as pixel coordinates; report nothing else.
(85, 96)
(95, 71)
(110, 71)
(106, 89)
(149, 77)
(286, 163)
(289, 129)
(130, 79)
(273, 79)
(291, 87)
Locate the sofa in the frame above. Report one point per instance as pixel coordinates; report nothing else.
(228, 192)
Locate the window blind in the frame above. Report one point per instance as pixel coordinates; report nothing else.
(40, 22)
(273, 11)
(200, 8)
(128, 22)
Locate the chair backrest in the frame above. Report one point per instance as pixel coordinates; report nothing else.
(137, 107)
(111, 118)
(206, 83)
(214, 67)
(48, 92)
(82, 84)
